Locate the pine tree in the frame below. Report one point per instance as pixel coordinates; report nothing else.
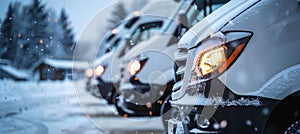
(1, 39)
(136, 5)
(67, 39)
(10, 32)
(6, 32)
(55, 48)
(37, 37)
(118, 14)
(2, 44)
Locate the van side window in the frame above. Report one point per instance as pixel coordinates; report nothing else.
(145, 32)
(202, 8)
(114, 45)
(109, 38)
(131, 21)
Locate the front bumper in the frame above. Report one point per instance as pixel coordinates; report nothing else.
(227, 119)
(135, 109)
(91, 87)
(228, 113)
(141, 100)
(91, 84)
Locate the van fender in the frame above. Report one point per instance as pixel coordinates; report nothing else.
(281, 85)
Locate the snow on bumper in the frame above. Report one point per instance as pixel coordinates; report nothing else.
(200, 100)
(141, 94)
(216, 115)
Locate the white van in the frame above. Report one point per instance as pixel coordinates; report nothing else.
(144, 26)
(110, 42)
(147, 73)
(238, 71)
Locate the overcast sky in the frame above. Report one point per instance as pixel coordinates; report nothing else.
(80, 11)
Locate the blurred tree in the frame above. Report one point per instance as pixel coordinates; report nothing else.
(36, 37)
(118, 14)
(67, 38)
(10, 32)
(136, 5)
(55, 47)
(2, 50)
(29, 36)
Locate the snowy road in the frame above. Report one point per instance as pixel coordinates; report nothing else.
(53, 107)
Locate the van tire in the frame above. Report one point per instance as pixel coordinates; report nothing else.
(285, 116)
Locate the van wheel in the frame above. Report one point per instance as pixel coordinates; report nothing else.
(294, 128)
(285, 119)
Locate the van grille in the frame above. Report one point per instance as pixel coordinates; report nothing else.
(180, 63)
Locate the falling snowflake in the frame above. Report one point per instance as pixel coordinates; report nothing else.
(41, 41)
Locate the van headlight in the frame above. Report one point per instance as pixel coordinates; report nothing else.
(89, 73)
(218, 52)
(137, 64)
(99, 70)
(209, 61)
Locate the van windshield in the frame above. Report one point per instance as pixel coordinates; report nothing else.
(196, 12)
(112, 39)
(143, 32)
(114, 45)
(202, 8)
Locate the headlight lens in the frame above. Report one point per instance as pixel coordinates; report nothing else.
(217, 53)
(89, 73)
(134, 67)
(99, 70)
(136, 64)
(210, 60)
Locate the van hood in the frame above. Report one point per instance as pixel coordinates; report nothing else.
(104, 59)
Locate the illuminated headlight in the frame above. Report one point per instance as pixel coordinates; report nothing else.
(99, 70)
(218, 52)
(136, 64)
(134, 67)
(209, 61)
(89, 73)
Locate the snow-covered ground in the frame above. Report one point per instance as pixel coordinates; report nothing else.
(62, 107)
